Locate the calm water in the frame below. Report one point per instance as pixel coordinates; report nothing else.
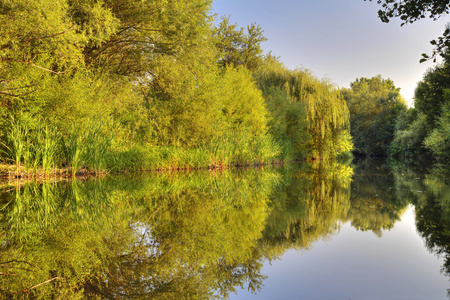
(311, 231)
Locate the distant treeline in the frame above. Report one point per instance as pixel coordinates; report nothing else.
(120, 85)
(383, 125)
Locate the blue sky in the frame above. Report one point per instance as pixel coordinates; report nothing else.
(339, 39)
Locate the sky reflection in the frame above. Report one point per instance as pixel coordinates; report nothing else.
(358, 265)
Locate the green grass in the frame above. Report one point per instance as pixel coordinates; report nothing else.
(92, 146)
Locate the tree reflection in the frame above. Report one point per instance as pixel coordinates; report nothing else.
(198, 235)
(374, 203)
(309, 206)
(430, 195)
(165, 236)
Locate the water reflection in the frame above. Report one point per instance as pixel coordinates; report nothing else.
(199, 235)
(308, 206)
(430, 194)
(164, 236)
(375, 206)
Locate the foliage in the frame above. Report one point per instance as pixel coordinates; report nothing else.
(183, 235)
(412, 11)
(112, 79)
(238, 48)
(308, 206)
(411, 130)
(429, 96)
(287, 124)
(374, 104)
(374, 206)
(438, 139)
(424, 129)
(326, 112)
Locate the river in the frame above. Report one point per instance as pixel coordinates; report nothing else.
(323, 230)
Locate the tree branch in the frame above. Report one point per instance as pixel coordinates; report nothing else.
(17, 95)
(22, 87)
(17, 261)
(33, 65)
(50, 36)
(35, 286)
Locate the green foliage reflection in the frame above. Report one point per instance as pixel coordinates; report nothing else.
(309, 206)
(374, 204)
(163, 236)
(430, 195)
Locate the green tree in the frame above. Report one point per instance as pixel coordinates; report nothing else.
(161, 236)
(237, 47)
(309, 205)
(429, 96)
(327, 114)
(374, 105)
(411, 128)
(146, 29)
(374, 206)
(438, 140)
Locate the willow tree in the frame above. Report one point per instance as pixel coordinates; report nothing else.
(327, 114)
(310, 205)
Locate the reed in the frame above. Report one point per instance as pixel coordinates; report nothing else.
(73, 148)
(91, 145)
(49, 143)
(18, 139)
(98, 140)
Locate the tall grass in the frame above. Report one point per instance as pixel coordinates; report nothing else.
(91, 146)
(39, 146)
(73, 147)
(48, 142)
(17, 136)
(98, 140)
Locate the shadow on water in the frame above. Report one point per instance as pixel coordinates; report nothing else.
(199, 235)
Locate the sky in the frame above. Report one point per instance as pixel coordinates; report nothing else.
(341, 40)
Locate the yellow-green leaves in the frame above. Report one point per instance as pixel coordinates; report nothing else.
(242, 103)
(326, 111)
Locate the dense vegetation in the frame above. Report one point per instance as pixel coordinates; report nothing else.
(116, 85)
(374, 105)
(425, 129)
(382, 124)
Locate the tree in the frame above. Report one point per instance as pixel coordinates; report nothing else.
(326, 111)
(237, 48)
(146, 29)
(411, 11)
(374, 105)
(429, 94)
(438, 141)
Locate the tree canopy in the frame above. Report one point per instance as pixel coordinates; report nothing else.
(159, 74)
(374, 105)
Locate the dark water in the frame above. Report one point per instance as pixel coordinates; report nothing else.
(368, 230)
